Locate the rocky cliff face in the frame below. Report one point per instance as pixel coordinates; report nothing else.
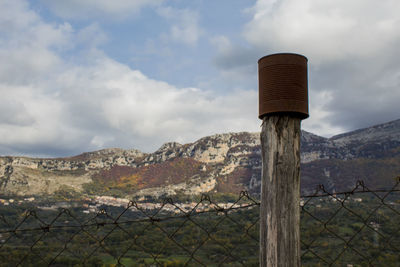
(374, 142)
(226, 163)
(371, 154)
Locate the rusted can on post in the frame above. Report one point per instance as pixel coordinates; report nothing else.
(283, 103)
(283, 85)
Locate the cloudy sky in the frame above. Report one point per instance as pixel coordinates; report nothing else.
(81, 75)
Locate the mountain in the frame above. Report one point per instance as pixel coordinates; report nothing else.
(222, 163)
(371, 155)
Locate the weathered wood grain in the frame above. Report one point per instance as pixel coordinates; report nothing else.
(280, 192)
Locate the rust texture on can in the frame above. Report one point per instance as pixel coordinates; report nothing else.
(283, 85)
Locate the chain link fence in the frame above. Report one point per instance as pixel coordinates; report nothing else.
(355, 228)
(204, 233)
(360, 227)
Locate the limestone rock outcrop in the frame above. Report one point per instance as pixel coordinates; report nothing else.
(226, 163)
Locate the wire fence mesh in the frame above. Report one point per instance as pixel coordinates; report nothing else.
(355, 228)
(166, 234)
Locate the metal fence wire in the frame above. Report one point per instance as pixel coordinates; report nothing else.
(355, 228)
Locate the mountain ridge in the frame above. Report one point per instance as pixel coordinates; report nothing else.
(220, 163)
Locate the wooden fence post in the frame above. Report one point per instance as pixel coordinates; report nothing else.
(283, 103)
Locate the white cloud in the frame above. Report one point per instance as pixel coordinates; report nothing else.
(32, 118)
(115, 9)
(184, 25)
(144, 112)
(51, 106)
(91, 36)
(222, 44)
(319, 122)
(352, 47)
(28, 45)
(326, 30)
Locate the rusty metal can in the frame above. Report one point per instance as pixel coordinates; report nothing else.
(283, 85)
